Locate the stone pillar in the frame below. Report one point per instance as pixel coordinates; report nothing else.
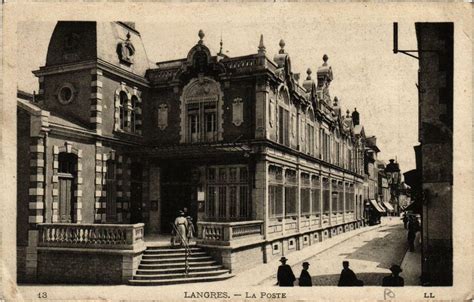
(261, 108)
(96, 100)
(154, 223)
(119, 189)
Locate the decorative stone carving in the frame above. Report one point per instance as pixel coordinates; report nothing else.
(125, 51)
(163, 116)
(271, 113)
(237, 112)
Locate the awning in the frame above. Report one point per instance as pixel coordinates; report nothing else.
(388, 206)
(377, 206)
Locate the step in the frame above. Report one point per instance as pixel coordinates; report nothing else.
(171, 255)
(151, 271)
(181, 280)
(175, 260)
(180, 275)
(174, 265)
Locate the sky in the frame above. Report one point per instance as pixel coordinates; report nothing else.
(367, 75)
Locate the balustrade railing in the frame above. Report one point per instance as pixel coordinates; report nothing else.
(225, 232)
(109, 236)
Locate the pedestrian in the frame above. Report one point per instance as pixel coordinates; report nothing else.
(405, 220)
(412, 229)
(285, 276)
(394, 279)
(348, 277)
(181, 226)
(305, 277)
(190, 231)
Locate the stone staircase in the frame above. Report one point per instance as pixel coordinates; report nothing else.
(166, 265)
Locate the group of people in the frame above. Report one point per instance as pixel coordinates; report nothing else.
(411, 223)
(183, 230)
(285, 276)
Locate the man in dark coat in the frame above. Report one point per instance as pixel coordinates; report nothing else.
(305, 278)
(285, 274)
(348, 277)
(394, 279)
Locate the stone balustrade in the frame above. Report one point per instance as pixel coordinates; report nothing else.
(224, 233)
(91, 236)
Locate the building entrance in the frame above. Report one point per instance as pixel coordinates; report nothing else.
(178, 193)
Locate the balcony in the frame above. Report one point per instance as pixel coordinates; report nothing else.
(231, 234)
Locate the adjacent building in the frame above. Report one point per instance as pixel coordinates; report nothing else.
(435, 152)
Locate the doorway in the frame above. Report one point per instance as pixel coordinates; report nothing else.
(67, 185)
(178, 192)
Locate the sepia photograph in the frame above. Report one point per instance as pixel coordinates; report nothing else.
(237, 152)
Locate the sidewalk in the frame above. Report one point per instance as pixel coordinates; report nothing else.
(261, 273)
(411, 264)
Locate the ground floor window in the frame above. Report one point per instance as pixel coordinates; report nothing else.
(326, 197)
(228, 193)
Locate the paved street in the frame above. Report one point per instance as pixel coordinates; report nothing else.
(370, 255)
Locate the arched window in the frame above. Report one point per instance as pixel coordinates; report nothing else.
(67, 172)
(123, 108)
(310, 132)
(284, 118)
(133, 114)
(201, 100)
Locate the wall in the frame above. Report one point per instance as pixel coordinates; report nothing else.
(79, 268)
(78, 110)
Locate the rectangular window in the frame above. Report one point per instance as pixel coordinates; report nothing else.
(228, 190)
(275, 200)
(233, 201)
(305, 200)
(315, 201)
(222, 202)
(211, 199)
(244, 202)
(290, 200)
(326, 197)
(201, 122)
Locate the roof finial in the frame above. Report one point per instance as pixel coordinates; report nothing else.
(309, 72)
(128, 36)
(325, 59)
(201, 35)
(220, 43)
(282, 46)
(261, 46)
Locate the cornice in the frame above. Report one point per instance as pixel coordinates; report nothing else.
(90, 64)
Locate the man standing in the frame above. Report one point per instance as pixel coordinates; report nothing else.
(305, 278)
(285, 274)
(394, 279)
(348, 277)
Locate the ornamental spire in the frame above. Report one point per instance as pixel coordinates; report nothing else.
(261, 46)
(282, 46)
(201, 36)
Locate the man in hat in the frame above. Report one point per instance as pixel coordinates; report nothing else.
(394, 279)
(305, 278)
(285, 274)
(348, 277)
